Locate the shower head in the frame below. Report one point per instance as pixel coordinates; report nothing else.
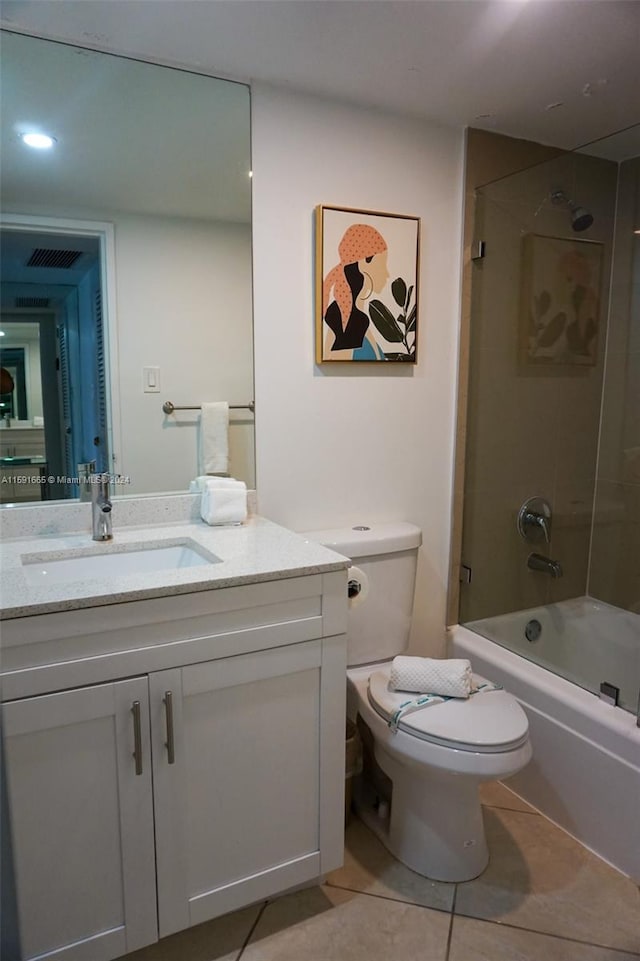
(581, 219)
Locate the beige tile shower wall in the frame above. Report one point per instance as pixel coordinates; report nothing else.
(530, 430)
(615, 558)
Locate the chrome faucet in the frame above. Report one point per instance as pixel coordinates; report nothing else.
(538, 562)
(101, 508)
(534, 520)
(86, 473)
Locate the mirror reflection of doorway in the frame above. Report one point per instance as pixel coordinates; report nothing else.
(52, 348)
(13, 387)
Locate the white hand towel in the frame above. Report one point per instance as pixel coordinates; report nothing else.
(197, 485)
(214, 438)
(426, 675)
(223, 504)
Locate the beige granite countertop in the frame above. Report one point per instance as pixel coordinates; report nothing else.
(258, 550)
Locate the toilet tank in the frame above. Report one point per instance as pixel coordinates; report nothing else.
(378, 625)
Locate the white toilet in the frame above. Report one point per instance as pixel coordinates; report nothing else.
(419, 787)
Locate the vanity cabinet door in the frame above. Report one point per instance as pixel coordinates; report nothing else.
(81, 815)
(236, 758)
(7, 485)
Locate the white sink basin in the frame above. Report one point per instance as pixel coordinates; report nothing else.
(141, 560)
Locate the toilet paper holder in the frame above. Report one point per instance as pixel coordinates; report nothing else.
(357, 586)
(353, 588)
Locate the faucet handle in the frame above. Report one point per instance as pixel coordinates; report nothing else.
(531, 518)
(85, 473)
(534, 520)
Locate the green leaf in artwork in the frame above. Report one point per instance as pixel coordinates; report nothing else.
(406, 303)
(411, 319)
(399, 291)
(384, 322)
(553, 330)
(579, 341)
(543, 302)
(400, 356)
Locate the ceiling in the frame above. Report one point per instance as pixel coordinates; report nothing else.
(55, 284)
(562, 72)
(130, 136)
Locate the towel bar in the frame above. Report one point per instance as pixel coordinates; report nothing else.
(169, 408)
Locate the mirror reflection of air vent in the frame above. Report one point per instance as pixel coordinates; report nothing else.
(63, 259)
(33, 302)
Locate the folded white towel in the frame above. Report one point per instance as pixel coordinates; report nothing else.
(223, 503)
(197, 485)
(214, 438)
(426, 675)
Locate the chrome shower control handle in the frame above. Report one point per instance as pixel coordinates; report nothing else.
(531, 519)
(534, 521)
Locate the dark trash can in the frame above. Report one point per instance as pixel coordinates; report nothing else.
(352, 765)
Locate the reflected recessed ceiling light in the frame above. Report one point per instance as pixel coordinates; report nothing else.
(41, 141)
(1, 333)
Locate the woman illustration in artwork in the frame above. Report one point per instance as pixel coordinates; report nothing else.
(362, 271)
(577, 295)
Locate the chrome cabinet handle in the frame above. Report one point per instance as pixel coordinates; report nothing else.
(170, 742)
(137, 736)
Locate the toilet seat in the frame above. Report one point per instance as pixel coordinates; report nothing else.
(487, 722)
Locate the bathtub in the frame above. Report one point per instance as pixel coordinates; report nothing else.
(584, 640)
(585, 770)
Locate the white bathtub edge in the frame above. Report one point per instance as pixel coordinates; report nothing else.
(611, 728)
(584, 775)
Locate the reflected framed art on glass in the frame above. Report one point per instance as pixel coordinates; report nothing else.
(560, 306)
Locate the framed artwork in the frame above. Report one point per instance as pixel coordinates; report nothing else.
(367, 266)
(560, 306)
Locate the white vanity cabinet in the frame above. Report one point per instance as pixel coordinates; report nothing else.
(81, 822)
(237, 812)
(198, 768)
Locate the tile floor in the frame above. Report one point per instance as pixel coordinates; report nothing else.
(543, 898)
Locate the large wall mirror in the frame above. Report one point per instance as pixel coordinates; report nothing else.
(126, 269)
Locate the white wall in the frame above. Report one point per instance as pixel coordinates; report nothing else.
(184, 305)
(356, 445)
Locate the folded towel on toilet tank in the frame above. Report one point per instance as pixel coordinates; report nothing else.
(449, 677)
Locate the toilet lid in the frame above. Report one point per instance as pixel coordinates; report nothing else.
(489, 721)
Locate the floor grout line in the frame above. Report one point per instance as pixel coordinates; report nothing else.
(501, 807)
(386, 897)
(453, 914)
(252, 929)
(548, 934)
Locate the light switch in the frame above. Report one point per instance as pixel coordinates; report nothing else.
(151, 380)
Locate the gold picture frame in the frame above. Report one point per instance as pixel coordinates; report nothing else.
(367, 280)
(560, 301)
